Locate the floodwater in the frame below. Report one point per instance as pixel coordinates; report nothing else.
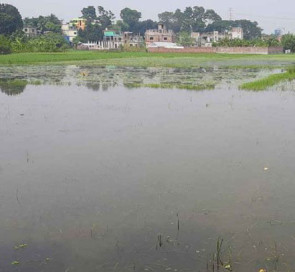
(97, 176)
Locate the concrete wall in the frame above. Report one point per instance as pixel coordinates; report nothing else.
(221, 50)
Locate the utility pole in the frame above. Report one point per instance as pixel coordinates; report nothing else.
(231, 16)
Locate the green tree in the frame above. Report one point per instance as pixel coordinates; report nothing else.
(131, 18)
(51, 42)
(211, 16)
(18, 41)
(89, 13)
(251, 29)
(177, 20)
(105, 17)
(96, 23)
(248, 43)
(92, 33)
(167, 18)
(143, 26)
(137, 26)
(220, 26)
(198, 23)
(10, 19)
(121, 26)
(4, 45)
(191, 19)
(44, 23)
(288, 42)
(184, 38)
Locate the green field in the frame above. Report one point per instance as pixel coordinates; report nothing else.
(144, 59)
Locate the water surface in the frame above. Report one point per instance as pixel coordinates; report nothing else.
(140, 179)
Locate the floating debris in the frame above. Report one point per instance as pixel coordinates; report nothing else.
(21, 246)
(228, 267)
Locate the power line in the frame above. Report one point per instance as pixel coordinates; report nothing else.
(267, 17)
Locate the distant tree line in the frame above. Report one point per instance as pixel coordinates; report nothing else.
(182, 22)
(44, 23)
(13, 39)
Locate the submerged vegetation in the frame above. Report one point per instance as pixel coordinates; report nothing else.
(14, 79)
(199, 87)
(270, 81)
(102, 78)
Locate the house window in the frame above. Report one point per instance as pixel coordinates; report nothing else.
(151, 38)
(75, 33)
(165, 38)
(26, 30)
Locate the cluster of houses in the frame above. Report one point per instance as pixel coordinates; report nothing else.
(158, 38)
(154, 38)
(114, 40)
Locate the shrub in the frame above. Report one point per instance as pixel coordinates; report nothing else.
(50, 42)
(247, 43)
(288, 42)
(4, 45)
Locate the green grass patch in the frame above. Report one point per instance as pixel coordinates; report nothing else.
(144, 59)
(270, 81)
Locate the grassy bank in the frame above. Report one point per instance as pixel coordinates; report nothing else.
(270, 81)
(144, 59)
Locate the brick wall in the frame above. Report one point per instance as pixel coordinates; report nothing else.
(243, 50)
(184, 50)
(275, 50)
(220, 50)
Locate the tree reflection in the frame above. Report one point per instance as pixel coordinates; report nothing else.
(12, 87)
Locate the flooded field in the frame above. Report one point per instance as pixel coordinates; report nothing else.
(99, 172)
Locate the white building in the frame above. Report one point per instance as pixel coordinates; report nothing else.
(237, 33)
(69, 31)
(31, 31)
(207, 39)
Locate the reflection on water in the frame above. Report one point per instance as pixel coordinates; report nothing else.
(145, 180)
(12, 87)
(103, 78)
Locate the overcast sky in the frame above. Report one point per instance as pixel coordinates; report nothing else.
(270, 14)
